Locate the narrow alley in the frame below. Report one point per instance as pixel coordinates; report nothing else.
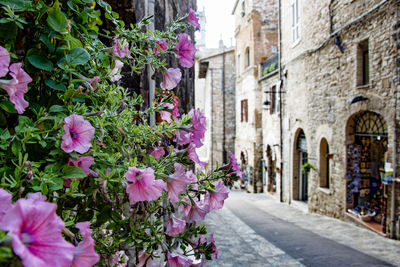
(247, 234)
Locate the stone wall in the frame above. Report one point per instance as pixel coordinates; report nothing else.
(319, 79)
(215, 95)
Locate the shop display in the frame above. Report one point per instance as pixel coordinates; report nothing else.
(365, 173)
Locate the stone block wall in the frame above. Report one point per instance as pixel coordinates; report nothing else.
(319, 80)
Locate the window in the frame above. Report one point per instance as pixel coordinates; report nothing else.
(238, 64)
(295, 21)
(243, 111)
(274, 49)
(247, 54)
(362, 63)
(243, 12)
(324, 164)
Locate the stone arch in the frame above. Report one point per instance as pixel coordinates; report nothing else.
(300, 156)
(366, 146)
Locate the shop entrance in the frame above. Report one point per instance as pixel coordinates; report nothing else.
(300, 178)
(366, 154)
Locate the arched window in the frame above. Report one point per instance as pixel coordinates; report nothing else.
(324, 164)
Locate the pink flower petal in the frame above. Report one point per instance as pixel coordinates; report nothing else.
(5, 202)
(78, 134)
(192, 19)
(4, 61)
(35, 229)
(171, 79)
(85, 255)
(175, 226)
(185, 50)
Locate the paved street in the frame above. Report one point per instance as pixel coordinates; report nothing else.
(256, 230)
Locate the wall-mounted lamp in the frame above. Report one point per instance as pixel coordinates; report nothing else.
(267, 103)
(356, 99)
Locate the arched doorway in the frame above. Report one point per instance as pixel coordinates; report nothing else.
(367, 142)
(300, 178)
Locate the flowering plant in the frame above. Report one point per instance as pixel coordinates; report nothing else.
(84, 178)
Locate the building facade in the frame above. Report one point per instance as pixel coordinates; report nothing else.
(256, 40)
(340, 69)
(215, 96)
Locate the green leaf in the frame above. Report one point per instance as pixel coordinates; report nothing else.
(16, 148)
(77, 56)
(73, 172)
(57, 20)
(41, 62)
(57, 108)
(54, 85)
(8, 106)
(44, 189)
(47, 42)
(17, 5)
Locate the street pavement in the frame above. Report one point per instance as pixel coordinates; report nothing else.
(256, 230)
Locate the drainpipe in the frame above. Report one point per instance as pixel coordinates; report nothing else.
(224, 155)
(393, 197)
(211, 122)
(280, 100)
(150, 71)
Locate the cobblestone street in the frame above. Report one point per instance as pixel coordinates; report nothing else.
(256, 230)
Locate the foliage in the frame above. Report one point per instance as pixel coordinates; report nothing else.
(64, 50)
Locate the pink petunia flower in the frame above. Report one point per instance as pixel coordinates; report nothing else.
(214, 247)
(36, 196)
(119, 51)
(215, 198)
(166, 116)
(198, 125)
(35, 229)
(145, 260)
(5, 203)
(185, 50)
(162, 44)
(233, 165)
(178, 260)
(175, 110)
(177, 183)
(119, 259)
(192, 19)
(183, 137)
(94, 81)
(193, 155)
(158, 152)
(17, 87)
(175, 226)
(4, 61)
(115, 72)
(85, 255)
(194, 213)
(171, 78)
(78, 134)
(84, 163)
(144, 187)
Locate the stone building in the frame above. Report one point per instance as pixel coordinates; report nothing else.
(256, 40)
(215, 96)
(340, 81)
